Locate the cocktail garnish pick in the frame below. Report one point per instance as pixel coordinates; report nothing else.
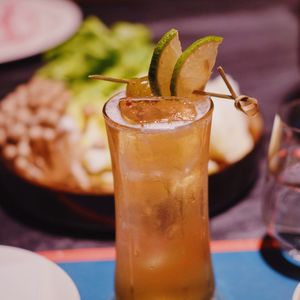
(245, 104)
(106, 78)
(229, 86)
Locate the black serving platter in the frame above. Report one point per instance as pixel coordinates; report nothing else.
(69, 211)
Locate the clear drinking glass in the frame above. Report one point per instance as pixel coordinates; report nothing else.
(162, 225)
(281, 207)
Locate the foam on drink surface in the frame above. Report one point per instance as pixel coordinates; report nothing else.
(113, 112)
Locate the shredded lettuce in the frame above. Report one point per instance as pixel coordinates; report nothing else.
(123, 51)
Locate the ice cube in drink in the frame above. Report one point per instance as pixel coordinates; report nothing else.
(149, 110)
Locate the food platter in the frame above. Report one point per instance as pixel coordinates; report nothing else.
(75, 212)
(53, 142)
(27, 27)
(230, 185)
(296, 295)
(45, 280)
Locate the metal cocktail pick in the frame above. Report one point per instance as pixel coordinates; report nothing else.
(245, 104)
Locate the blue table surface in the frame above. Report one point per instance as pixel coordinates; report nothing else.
(239, 276)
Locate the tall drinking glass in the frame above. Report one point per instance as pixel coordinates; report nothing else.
(282, 198)
(162, 225)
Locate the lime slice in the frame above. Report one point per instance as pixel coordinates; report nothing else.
(164, 58)
(194, 66)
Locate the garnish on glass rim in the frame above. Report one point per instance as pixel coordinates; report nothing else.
(245, 104)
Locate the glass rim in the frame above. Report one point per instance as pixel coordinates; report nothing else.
(128, 127)
(283, 109)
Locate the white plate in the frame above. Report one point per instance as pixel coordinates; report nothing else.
(29, 276)
(296, 295)
(29, 27)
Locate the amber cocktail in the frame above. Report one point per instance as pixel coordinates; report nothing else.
(160, 181)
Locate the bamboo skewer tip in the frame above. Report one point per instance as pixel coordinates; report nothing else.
(108, 78)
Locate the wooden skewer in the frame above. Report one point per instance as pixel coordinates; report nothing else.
(218, 95)
(245, 104)
(233, 95)
(229, 86)
(106, 78)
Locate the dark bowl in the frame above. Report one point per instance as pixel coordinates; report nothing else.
(63, 209)
(230, 185)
